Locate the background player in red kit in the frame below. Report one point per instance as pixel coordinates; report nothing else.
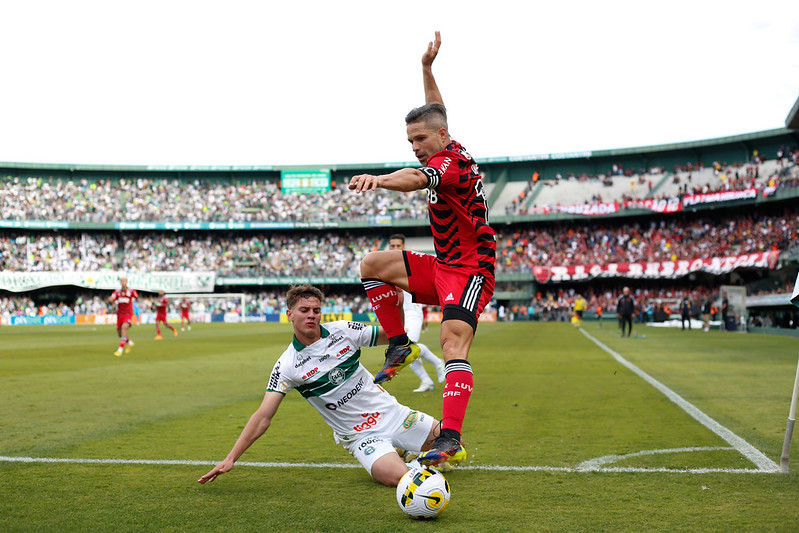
(460, 278)
(185, 307)
(124, 298)
(161, 306)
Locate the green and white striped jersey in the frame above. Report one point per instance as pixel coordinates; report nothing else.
(329, 374)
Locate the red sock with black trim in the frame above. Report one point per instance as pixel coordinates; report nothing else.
(457, 391)
(384, 299)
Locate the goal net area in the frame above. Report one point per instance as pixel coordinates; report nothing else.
(205, 307)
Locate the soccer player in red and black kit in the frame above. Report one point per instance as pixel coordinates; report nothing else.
(185, 307)
(124, 298)
(161, 306)
(460, 278)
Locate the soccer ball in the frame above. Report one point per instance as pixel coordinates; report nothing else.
(423, 493)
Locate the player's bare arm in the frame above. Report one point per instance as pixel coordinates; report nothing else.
(403, 180)
(431, 92)
(257, 425)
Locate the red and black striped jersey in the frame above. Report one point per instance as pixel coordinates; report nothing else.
(458, 211)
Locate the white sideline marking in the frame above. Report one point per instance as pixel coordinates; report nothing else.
(596, 464)
(9, 459)
(747, 450)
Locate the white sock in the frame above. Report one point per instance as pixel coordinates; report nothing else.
(434, 360)
(420, 372)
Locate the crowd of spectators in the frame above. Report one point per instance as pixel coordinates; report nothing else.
(172, 200)
(338, 254)
(261, 200)
(519, 251)
(725, 177)
(270, 254)
(37, 252)
(255, 302)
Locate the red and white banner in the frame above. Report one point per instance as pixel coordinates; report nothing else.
(655, 269)
(664, 205)
(595, 209)
(723, 196)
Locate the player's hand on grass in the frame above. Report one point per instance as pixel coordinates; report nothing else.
(221, 468)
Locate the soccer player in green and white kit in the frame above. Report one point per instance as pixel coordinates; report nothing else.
(323, 364)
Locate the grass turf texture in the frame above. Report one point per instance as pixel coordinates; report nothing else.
(545, 396)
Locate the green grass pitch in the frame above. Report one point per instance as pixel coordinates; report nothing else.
(561, 436)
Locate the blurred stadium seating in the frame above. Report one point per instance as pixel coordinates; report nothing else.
(239, 225)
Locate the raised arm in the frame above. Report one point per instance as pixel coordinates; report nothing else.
(404, 180)
(257, 425)
(431, 92)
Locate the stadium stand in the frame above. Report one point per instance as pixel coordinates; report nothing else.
(59, 219)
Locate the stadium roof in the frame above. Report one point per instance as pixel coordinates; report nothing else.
(792, 120)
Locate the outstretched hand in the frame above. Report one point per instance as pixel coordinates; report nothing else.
(364, 182)
(432, 51)
(221, 468)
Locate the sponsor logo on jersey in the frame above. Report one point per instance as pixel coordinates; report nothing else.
(324, 357)
(410, 420)
(334, 339)
(449, 298)
(310, 373)
(301, 361)
(368, 441)
(369, 451)
(445, 164)
(370, 421)
(357, 326)
(343, 351)
(275, 377)
(347, 397)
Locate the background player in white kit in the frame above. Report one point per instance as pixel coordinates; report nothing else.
(414, 320)
(323, 364)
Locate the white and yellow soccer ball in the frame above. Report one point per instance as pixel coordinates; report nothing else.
(423, 493)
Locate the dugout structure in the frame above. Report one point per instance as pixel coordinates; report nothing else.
(736, 307)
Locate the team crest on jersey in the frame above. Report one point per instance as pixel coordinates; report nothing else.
(337, 376)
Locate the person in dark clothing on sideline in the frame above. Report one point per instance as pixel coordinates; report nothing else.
(625, 309)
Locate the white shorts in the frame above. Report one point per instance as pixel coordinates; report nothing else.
(408, 432)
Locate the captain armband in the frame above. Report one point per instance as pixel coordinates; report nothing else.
(433, 176)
